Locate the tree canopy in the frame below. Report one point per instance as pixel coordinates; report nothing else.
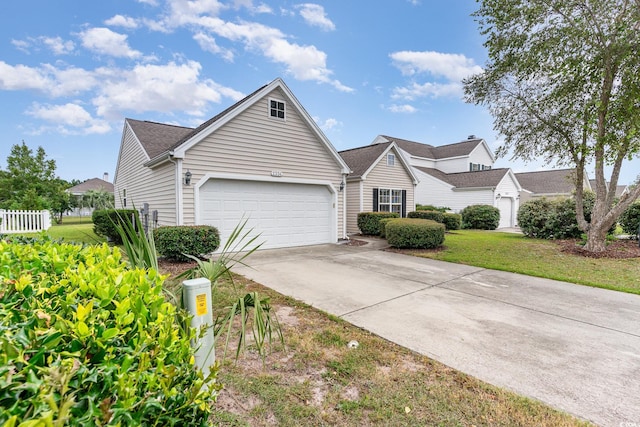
(563, 84)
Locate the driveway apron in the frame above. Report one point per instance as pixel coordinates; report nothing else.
(573, 347)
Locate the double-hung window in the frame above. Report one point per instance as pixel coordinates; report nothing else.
(390, 200)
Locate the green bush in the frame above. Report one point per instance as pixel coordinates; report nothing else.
(436, 216)
(554, 218)
(87, 341)
(415, 233)
(452, 221)
(369, 222)
(420, 207)
(383, 225)
(105, 220)
(173, 242)
(480, 217)
(630, 219)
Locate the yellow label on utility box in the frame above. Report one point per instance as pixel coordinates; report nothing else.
(201, 304)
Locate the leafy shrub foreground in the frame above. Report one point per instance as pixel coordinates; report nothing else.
(630, 219)
(369, 222)
(480, 217)
(105, 222)
(414, 233)
(173, 242)
(87, 341)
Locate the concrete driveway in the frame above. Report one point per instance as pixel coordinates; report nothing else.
(573, 347)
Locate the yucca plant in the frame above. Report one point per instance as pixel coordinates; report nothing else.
(139, 246)
(254, 312)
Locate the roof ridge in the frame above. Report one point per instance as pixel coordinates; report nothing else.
(159, 123)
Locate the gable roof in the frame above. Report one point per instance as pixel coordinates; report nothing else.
(163, 150)
(620, 189)
(557, 181)
(91, 184)
(418, 149)
(156, 138)
(489, 178)
(362, 159)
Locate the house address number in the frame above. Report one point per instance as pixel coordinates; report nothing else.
(276, 173)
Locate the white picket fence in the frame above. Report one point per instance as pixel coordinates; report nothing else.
(24, 221)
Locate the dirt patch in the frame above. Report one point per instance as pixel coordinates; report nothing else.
(619, 249)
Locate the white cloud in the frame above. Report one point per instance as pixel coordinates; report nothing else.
(107, 42)
(58, 46)
(149, 2)
(429, 89)
(328, 124)
(48, 79)
(122, 21)
(448, 65)
(21, 45)
(405, 108)
(161, 88)
(314, 15)
(248, 4)
(68, 119)
(208, 44)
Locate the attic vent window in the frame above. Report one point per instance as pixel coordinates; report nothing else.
(391, 159)
(276, 109)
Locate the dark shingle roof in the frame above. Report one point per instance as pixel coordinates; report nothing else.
(91, 184)
(360, 159)
(156, 138)
(558, 181)
(419, 149)
(476, 179)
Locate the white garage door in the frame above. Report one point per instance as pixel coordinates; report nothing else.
(286, 214)
(505, 205)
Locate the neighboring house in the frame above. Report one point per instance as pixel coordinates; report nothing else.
(264, 158)
(381, 180)
(461, 174)
(93, 184)
(620, 189)
(552, 184)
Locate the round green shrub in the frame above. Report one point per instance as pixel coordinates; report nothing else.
(630, 219)
(480, 217)
(369, 222)
(383, 226)
(452, 221)
(415, 233)
(87, 341)
(173, 242)
(105, 221)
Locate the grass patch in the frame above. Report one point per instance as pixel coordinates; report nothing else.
(317, 380)
(73, 230)
(535, 257)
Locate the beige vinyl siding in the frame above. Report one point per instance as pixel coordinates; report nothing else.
(393, 177)
(353, 206)
(144, 185)
(255, 144)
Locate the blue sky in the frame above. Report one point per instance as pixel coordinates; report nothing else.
(72, 70)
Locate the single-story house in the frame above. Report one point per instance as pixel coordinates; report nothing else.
(460, 174)
(381, 179)
(264, 159)
(93, 184)
(552, 184)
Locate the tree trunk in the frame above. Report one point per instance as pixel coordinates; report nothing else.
(596, 238)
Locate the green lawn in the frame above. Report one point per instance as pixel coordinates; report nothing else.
(541, 258)
(73, 230)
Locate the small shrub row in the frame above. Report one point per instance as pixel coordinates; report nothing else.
(105, 221)
(480, 217)
(369, 222)
(414, 233)
(420, 207)
(173, 242)
(451, 221)
(87, 341)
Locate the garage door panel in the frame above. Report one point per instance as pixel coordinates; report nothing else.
(286, 214)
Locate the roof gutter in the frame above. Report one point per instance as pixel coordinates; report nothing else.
(162, 158)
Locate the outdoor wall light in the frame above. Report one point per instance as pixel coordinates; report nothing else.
(187, 177)
(342, 185)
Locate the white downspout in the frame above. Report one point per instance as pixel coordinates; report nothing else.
(179, 193)
(344, 207)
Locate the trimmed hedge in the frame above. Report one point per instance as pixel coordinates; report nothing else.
(480, 217)
(452, 221)
(369, 222)
(86, 341)
(173, 242)
(105, 220)
(415, 233)
(420, 207)
(436, 216)
(383, 226)
(630, 219)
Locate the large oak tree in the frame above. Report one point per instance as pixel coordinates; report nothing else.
(562, 82)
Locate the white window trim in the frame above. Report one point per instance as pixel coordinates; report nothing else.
(391, 159)
(391, 204)
(284, 103)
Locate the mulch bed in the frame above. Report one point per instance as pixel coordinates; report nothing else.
(619, 249)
